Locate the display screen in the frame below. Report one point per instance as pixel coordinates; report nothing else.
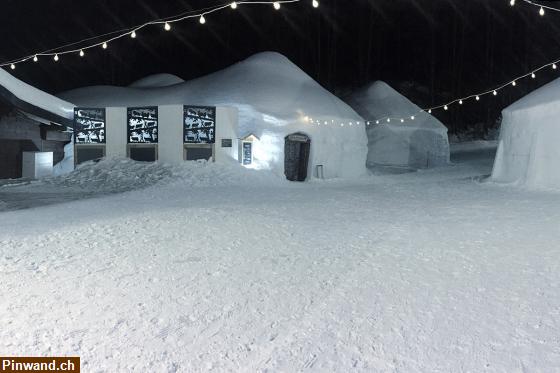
(142, 125)
(89, 125)
(199, 124)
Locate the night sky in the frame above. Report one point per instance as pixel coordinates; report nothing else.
(432, 50)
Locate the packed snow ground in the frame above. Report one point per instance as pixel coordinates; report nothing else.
(432, 271)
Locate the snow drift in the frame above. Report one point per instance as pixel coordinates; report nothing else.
(273, 97)
(422, 143)
(528, 150)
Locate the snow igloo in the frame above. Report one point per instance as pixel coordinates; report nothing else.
(418, 143)
(275, 100)
(528, 151)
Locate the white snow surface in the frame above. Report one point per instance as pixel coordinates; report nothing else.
(418, 143)
(430, 271)
(35, 96)
(157, 80)
(528, 150)
(273, 97)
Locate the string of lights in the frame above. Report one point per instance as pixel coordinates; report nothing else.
(132, 32)
(541, 7)
(447, 106)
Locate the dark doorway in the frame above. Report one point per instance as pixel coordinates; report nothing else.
(296, 156)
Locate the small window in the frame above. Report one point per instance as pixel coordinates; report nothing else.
(195, 153)
(89, 153)
(143, 153)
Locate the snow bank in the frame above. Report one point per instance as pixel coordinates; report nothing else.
(422, 143)
(528, 150)
(273, 97)
(123, 174)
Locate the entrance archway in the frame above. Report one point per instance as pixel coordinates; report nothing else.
(297, 149)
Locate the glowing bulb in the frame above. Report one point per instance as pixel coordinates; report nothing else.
(495, 93)
(430, 111)
(233, 5)
(167, 26)
(412, 117)
(513, 83)
(56, 57)
(12, 66)
(477, 98)
(512, 2)
(376, 122)
(533, 75)
(445, 107)
(541, 12)
(104, 45)
(133, 34)
(202, 19)
(554, 66)
(388, 120)
(82, 53)
(35, 59)
(460, 102)
(315, 4)
(276, 5)
(402, 120)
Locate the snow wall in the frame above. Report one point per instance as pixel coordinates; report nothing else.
(528, 152)
(422, 143)
(273, 97)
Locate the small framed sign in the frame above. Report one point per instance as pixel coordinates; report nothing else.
(227, 143)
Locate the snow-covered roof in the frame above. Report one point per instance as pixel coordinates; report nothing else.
(549, 93)
(379, 100)
(157, 80)
(266, 88)
(34, 101)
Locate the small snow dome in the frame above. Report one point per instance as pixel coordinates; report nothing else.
(418, 143)
(528, 151)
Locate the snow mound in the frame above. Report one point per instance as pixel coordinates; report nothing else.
(528, 151)
(419, 143)
(113, 175)
(157, 80)
(273, 96)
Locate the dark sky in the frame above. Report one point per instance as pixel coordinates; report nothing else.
(444, 48)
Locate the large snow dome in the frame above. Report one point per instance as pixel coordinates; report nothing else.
(422, 143)
(274, 97)
(528, 151)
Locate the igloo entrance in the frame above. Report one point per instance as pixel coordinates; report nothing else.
(296, 156)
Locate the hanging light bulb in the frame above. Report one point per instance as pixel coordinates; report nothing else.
(56, 57)
(460, 102)
(202, 20)
(514, 83)
(104, 45)
(554, 66)
(541, 12)
(133, 34)
(376, 122)
(82, 53)
(12, 66)
(35, 59)
(276, 5)
(512, 2)
(388, 120)
(167, 26)
(445, 107)
(533, 75)
(412, 117)
(429, 111)
(233, 5)
(477, 98)
(495, 93)
(315, 4)
(402, 120)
